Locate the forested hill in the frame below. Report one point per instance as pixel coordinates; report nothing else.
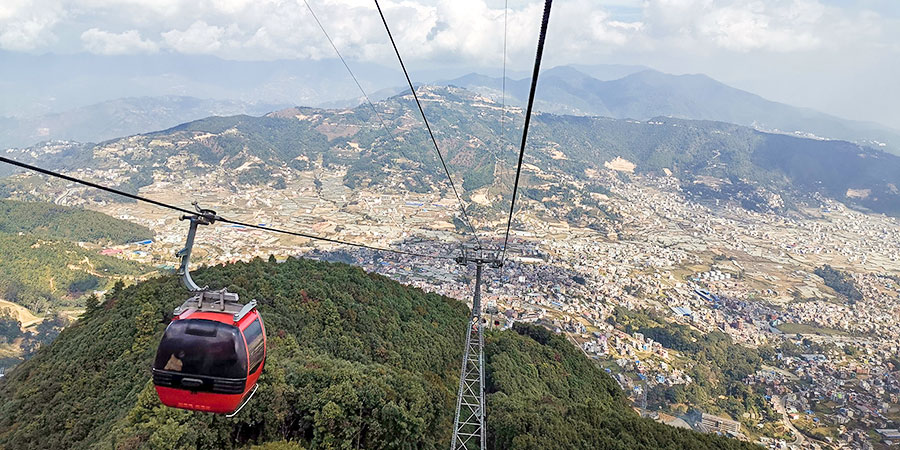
(63, 222)
(356, 361)
(42, 269)
(42, 275)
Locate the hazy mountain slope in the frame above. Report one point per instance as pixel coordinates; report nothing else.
(52, 155)
(62, 222)
(40, 84)
(608, 71)
(258, 150)
(356, 360)
(120, 117)
(648, 93)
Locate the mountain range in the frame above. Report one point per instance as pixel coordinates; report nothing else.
(752, 166)
(357, 360)
(90, 98)
(645, 94)
(120, 117)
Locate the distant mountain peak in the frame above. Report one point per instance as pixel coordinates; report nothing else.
(641, 93)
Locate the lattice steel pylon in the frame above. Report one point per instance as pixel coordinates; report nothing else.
(469, 431)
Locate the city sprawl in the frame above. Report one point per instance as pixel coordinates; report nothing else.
(713, 266)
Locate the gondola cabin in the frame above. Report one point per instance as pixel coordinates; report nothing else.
(211, 354)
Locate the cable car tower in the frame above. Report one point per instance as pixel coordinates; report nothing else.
(469, 431)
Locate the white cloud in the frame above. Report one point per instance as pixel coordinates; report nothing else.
(138, 10)
(28, 25)
(758, 26)
(11, 8)
(199, 38)
(741, 26)
(106, 43)
(437, 31)
(729, 39)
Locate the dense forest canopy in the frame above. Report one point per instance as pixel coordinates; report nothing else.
(841, 282)
(51, 221)
(10, 326)
(40, 268)
(41, 274)
(355, 361)
(718, 367)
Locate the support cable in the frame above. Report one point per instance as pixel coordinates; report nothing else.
(391, 136)
(503, 79)
(534, 80)
(355, 80)
(428, 126)
(502, 149)
(219, 218)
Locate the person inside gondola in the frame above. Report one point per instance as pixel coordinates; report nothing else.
(174, 363)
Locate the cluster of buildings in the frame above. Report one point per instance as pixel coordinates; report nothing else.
(712, 267)
(874, 314)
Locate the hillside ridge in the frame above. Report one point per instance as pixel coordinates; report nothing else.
(643, 94)
(355, 359)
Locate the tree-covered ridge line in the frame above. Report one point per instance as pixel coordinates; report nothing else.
(42, 274)
(717, 366)
(748, 159)
(841, 282)
(355, 361)
(58, 222)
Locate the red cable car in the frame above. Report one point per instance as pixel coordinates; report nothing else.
(210, 357)
(214, 350)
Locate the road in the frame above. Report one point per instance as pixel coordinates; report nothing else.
(21, 313)
(799, 438)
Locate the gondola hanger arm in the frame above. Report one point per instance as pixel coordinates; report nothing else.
(202, 217)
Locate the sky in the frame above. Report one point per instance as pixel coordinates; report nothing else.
(837, 56)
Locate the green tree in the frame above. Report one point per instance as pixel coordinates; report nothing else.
(354, 360)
